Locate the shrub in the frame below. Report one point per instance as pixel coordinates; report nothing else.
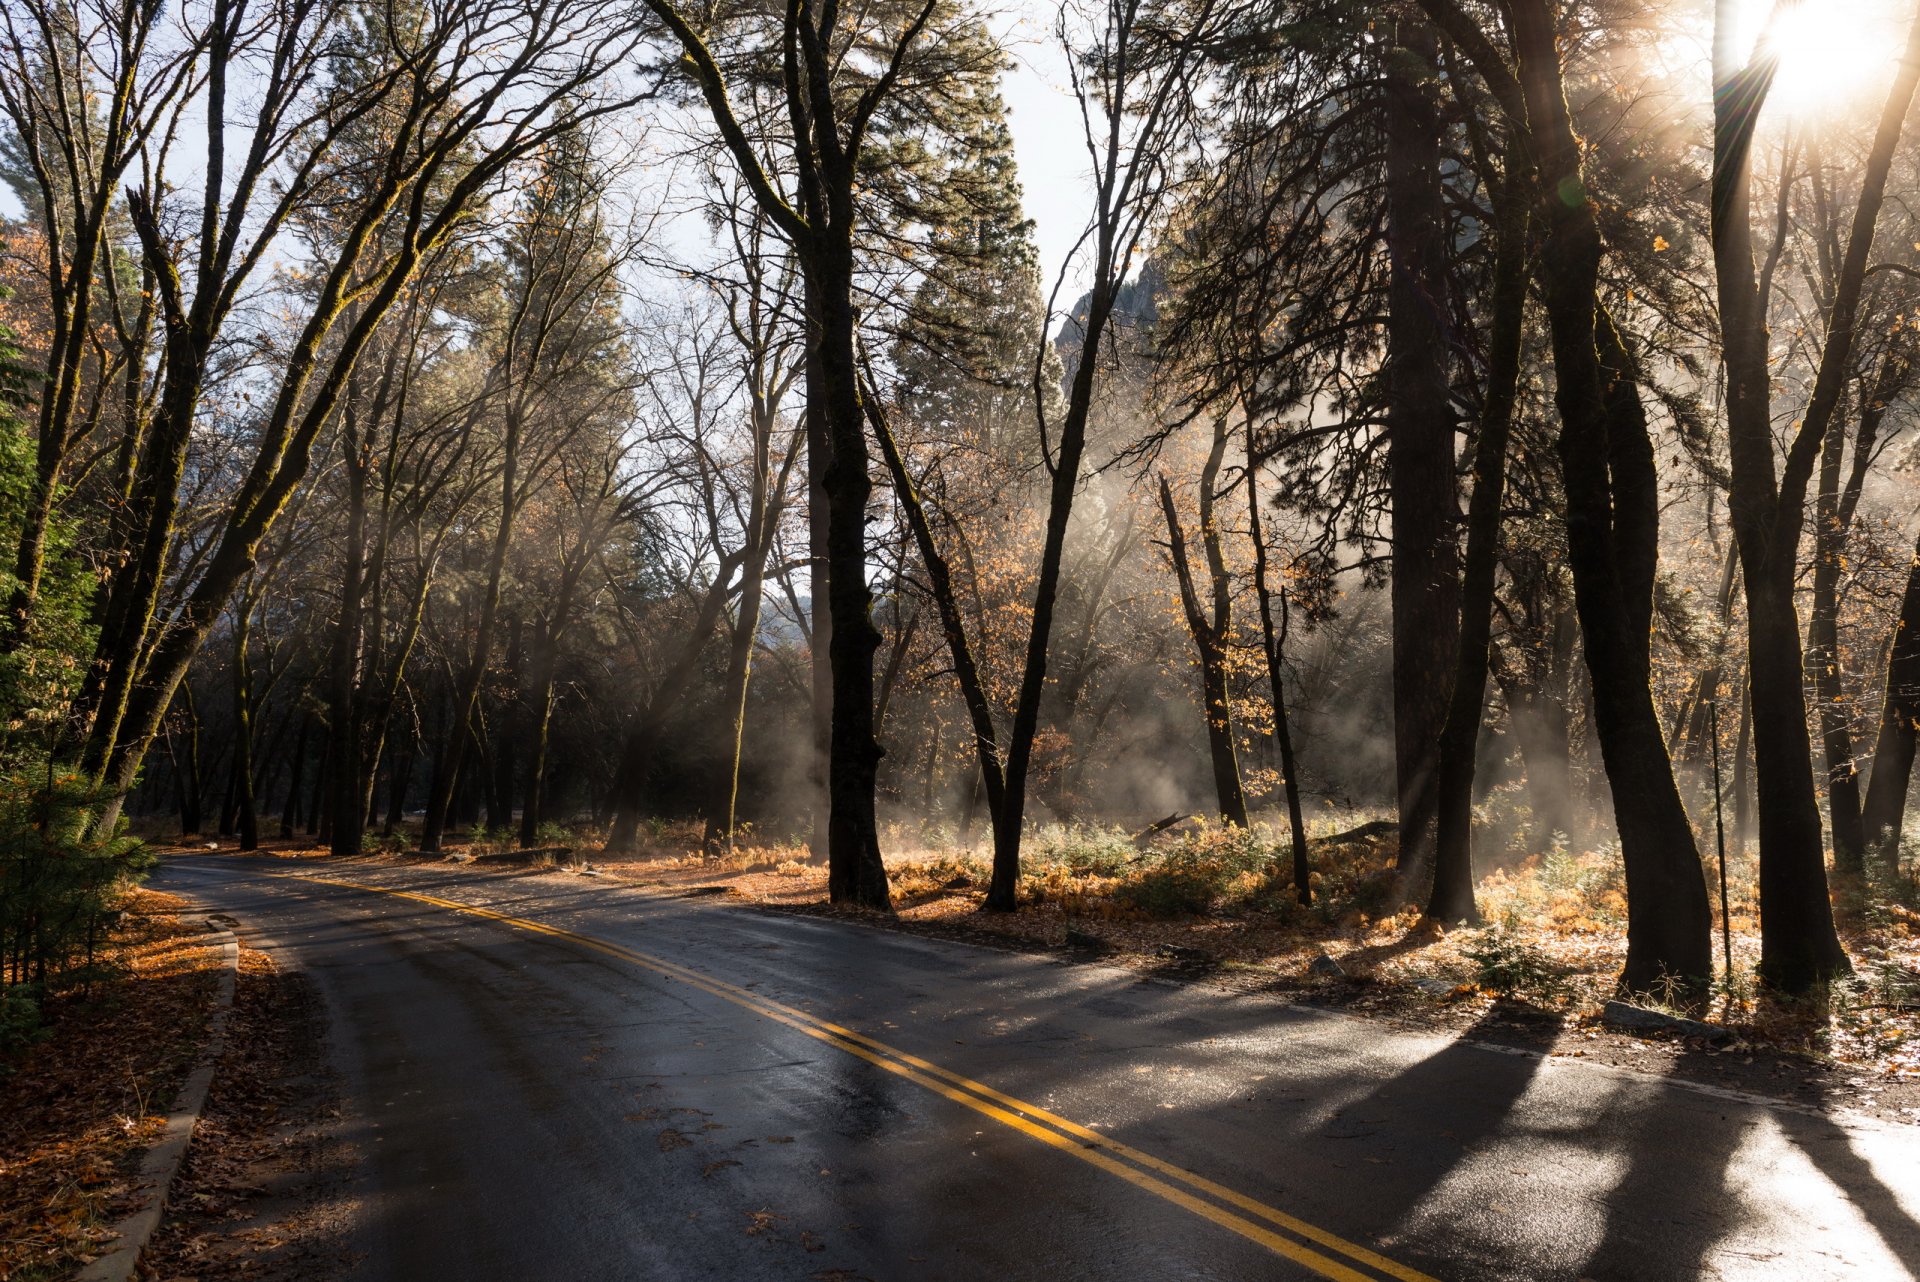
(1084, 849)
(942, 872)
(1202, 868)
(58, 888)
(1507, 965)
(19, 1017)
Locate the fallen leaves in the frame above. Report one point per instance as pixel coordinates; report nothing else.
(82, 1104)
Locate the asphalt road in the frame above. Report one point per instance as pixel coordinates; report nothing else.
(612, 1085)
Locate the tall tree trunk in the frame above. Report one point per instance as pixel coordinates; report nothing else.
(973, 692)
(1612, 497)
(1210, 635)
(855, 872)
(1452, 899)
(1420, 445)
(1270, 645)
(1835, 503)
(1799, 948)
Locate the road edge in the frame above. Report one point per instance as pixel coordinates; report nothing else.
(162, 1162)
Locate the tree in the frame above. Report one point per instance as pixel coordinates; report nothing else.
(1799, 948)
(1607, 460)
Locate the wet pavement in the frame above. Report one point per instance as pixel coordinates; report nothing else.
(615, 1085)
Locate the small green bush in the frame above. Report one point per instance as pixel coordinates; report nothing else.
(1507, 965)
(19, 1018)
(59, 885)
(1084, 849)
(1203, 868)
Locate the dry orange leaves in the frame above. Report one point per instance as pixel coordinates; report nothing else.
(78, 1107)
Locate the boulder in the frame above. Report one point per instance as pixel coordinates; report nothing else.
(1638, 1019)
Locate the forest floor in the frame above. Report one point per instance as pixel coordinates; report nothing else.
(264, 1191)
(79, 1106)
(1186, 908)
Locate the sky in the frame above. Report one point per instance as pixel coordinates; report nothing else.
(1055, 172)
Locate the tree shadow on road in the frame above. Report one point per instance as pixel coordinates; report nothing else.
(1671, 1203)
(1422, 1141)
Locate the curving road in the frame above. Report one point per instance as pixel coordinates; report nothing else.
(551, 1078)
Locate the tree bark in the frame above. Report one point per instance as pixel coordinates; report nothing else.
(1452, 899)
(1612, 497)
(1420, 446)
(1799, 949)
(1210, 635)
(1835, 503)
(1270, 645)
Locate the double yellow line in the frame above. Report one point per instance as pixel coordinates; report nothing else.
(1329, 1255)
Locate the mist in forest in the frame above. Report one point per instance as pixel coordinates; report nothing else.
(1427, 429)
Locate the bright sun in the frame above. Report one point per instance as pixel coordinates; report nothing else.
(1831, 51)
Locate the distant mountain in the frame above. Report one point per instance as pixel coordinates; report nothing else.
(1136, 311)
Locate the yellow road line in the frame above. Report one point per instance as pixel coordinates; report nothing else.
(1050, 1128)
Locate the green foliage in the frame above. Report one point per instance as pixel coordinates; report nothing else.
(19, 1018)
(1083, 848)
(40, 675)
(59, 887)
(1507, 965)
(392, 843)
(1201, 869)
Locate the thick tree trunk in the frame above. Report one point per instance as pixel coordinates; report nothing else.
(1612, 496)
(1799, 949)
(1420, 446)
(109, 690)
(856, 873)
